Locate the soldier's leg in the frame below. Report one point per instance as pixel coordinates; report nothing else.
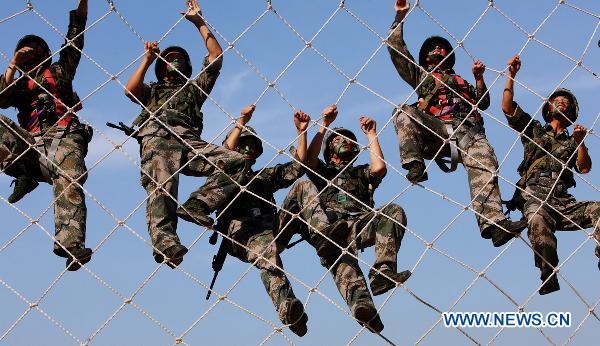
(386, 234)
(541, 227)
(222, 183)
(161, 158)
(70, 210)
(263, 253)
(582, 215)
(351, 283)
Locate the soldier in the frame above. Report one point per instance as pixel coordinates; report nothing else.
(251, 222)
(175, 101)
(550, 155)
(43, 95)
(445, 113)
(340, 220)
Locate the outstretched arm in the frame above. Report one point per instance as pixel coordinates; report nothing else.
(369, 127)
(194, 15)
(481, 94)
(135, 85)
(69, 55)
(234, 136)
(584, 161)
(329, 115)
(301, 121)
(508, 104)
(401, 58)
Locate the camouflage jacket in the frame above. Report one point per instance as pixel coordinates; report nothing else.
(419, 78)
(63, 71)
(264, 184)
(562, 146)
(178, 105)
(356, 181)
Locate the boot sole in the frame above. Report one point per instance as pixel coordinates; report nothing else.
(73, 265)
(177, 258)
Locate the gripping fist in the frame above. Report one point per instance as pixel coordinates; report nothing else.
(329, 114)
(246, 114)
(368, 125)
(514, 64)
(151, 51)
(579, 133)
(478, 69)
(301, 120)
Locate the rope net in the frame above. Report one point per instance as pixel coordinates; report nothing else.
(278, 56)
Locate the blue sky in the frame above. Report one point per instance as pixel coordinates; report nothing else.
(81, 302)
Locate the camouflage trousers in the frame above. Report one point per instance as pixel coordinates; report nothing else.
(560, 213)
(163, 158)
(17, 159)
(256, 236)
(367, 229)
(421, 136)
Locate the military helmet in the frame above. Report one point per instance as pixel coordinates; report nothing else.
(27, 39)
(247, 134)
(572, 112)
(160, 66)
(429, 43)
(327, 149)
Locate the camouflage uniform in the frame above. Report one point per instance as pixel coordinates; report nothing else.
(422, 134)
(544, 179)
(252, 222)
(164, 156)
(367, 228)
(40, 132)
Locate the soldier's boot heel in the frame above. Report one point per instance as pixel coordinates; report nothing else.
(504, 231)
(174, 255)
(337, 232)
(381, 284)
(78, 257)
(416, 172)
(366, 315)
(296, 317)
(551, 285)
(23, 186)
(195, 211)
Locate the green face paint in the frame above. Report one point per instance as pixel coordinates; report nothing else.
(247, 148)
(177, 64)
(342, 149)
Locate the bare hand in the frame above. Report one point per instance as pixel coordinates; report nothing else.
(246, 114)
(368, 126)
(401, 5)
(193, 13)
(151, 51)
(579, 133)
(514, 64)
(329, 114)
(301, 120)
(478, 69)
(23, 56)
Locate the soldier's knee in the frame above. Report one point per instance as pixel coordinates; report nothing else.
(537, 224)
(396, 212)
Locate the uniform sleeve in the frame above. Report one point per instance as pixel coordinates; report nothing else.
(480, 95)
(69, 55)
(369, 178)
(7, 94)
(401, 57)
(284, 175)
(315, 176)
(207, 79)
(522, 122)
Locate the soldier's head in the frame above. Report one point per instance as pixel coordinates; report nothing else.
(340, 146)
(249, 145)
(40, 52)
(179, 63)
(562, 105)
(434, 50)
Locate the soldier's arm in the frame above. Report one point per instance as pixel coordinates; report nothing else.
(234, 136)
(377, 167)
(284, 175)
(517, 119)
(301, 121)
(480, 92)
(70, 55)
(136, 89)
(584, 161)
(214, 60)
(7, 91)
(329, 114)
(401, 58)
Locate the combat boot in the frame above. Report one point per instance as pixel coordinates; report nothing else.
(366, 315)
(174, 255)
(416, 172)
(23, 186)
(295, 316)
(504, 231)
(195, 211)
(551, 285)
(381, 284)
(337, 232)
(78, 257)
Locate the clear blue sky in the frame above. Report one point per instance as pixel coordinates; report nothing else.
(81, 304)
